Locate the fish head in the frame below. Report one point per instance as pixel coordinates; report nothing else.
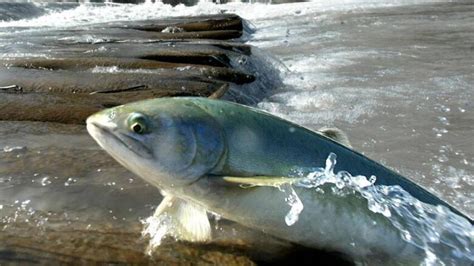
(169, 142)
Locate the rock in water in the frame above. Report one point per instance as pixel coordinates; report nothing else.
(81, 77)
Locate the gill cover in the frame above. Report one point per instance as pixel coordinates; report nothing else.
(209, 139)
(187, 141)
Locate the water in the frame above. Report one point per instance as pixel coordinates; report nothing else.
(445, 237)
(396, 76)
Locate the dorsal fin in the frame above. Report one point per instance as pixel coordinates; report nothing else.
(336, 135)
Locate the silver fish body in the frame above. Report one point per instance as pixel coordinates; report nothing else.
(185, 145)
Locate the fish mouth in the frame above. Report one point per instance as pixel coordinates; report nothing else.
(107, 135)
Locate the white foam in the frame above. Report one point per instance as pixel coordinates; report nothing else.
(445, 237)
(86, 14)
(156, 228)
(296, 206)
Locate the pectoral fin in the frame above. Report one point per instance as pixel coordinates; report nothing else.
(336, 135)
(261, 181)
(189, 221)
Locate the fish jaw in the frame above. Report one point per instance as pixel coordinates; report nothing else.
(101, 129)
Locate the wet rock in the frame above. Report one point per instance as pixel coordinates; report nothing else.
(65, 75)
(71, 73)
(74, 108)
(96, 247)
(223, 22)
(30, 240)
(215, 27)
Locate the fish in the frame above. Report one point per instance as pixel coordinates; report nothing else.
(214, 156)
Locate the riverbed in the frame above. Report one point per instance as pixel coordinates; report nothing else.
(397, 77)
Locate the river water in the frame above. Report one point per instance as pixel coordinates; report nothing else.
(396, 76)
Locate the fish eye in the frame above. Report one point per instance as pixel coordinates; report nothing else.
(137, 128)
(137, 123)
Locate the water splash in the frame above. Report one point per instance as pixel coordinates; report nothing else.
(20, 212)
(292, 199)
(60, 15)
(14, 149)
(46, 181)
(156, 228)
(70, 181)
(445, 237)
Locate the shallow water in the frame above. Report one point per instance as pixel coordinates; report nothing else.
(395, 76)
(399, 82)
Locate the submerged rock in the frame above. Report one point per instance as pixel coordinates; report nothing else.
(72, 74)
(82, 74)
(31, 241)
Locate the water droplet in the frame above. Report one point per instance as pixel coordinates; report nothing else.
(444, 120)
(296, 206)
(24, 204)
(372, 179)
(14, 148)
(406, 235)
(45, 181)
(330, 163)
(340, 184)
(70, 181)
(5, 179)
(443, 158)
